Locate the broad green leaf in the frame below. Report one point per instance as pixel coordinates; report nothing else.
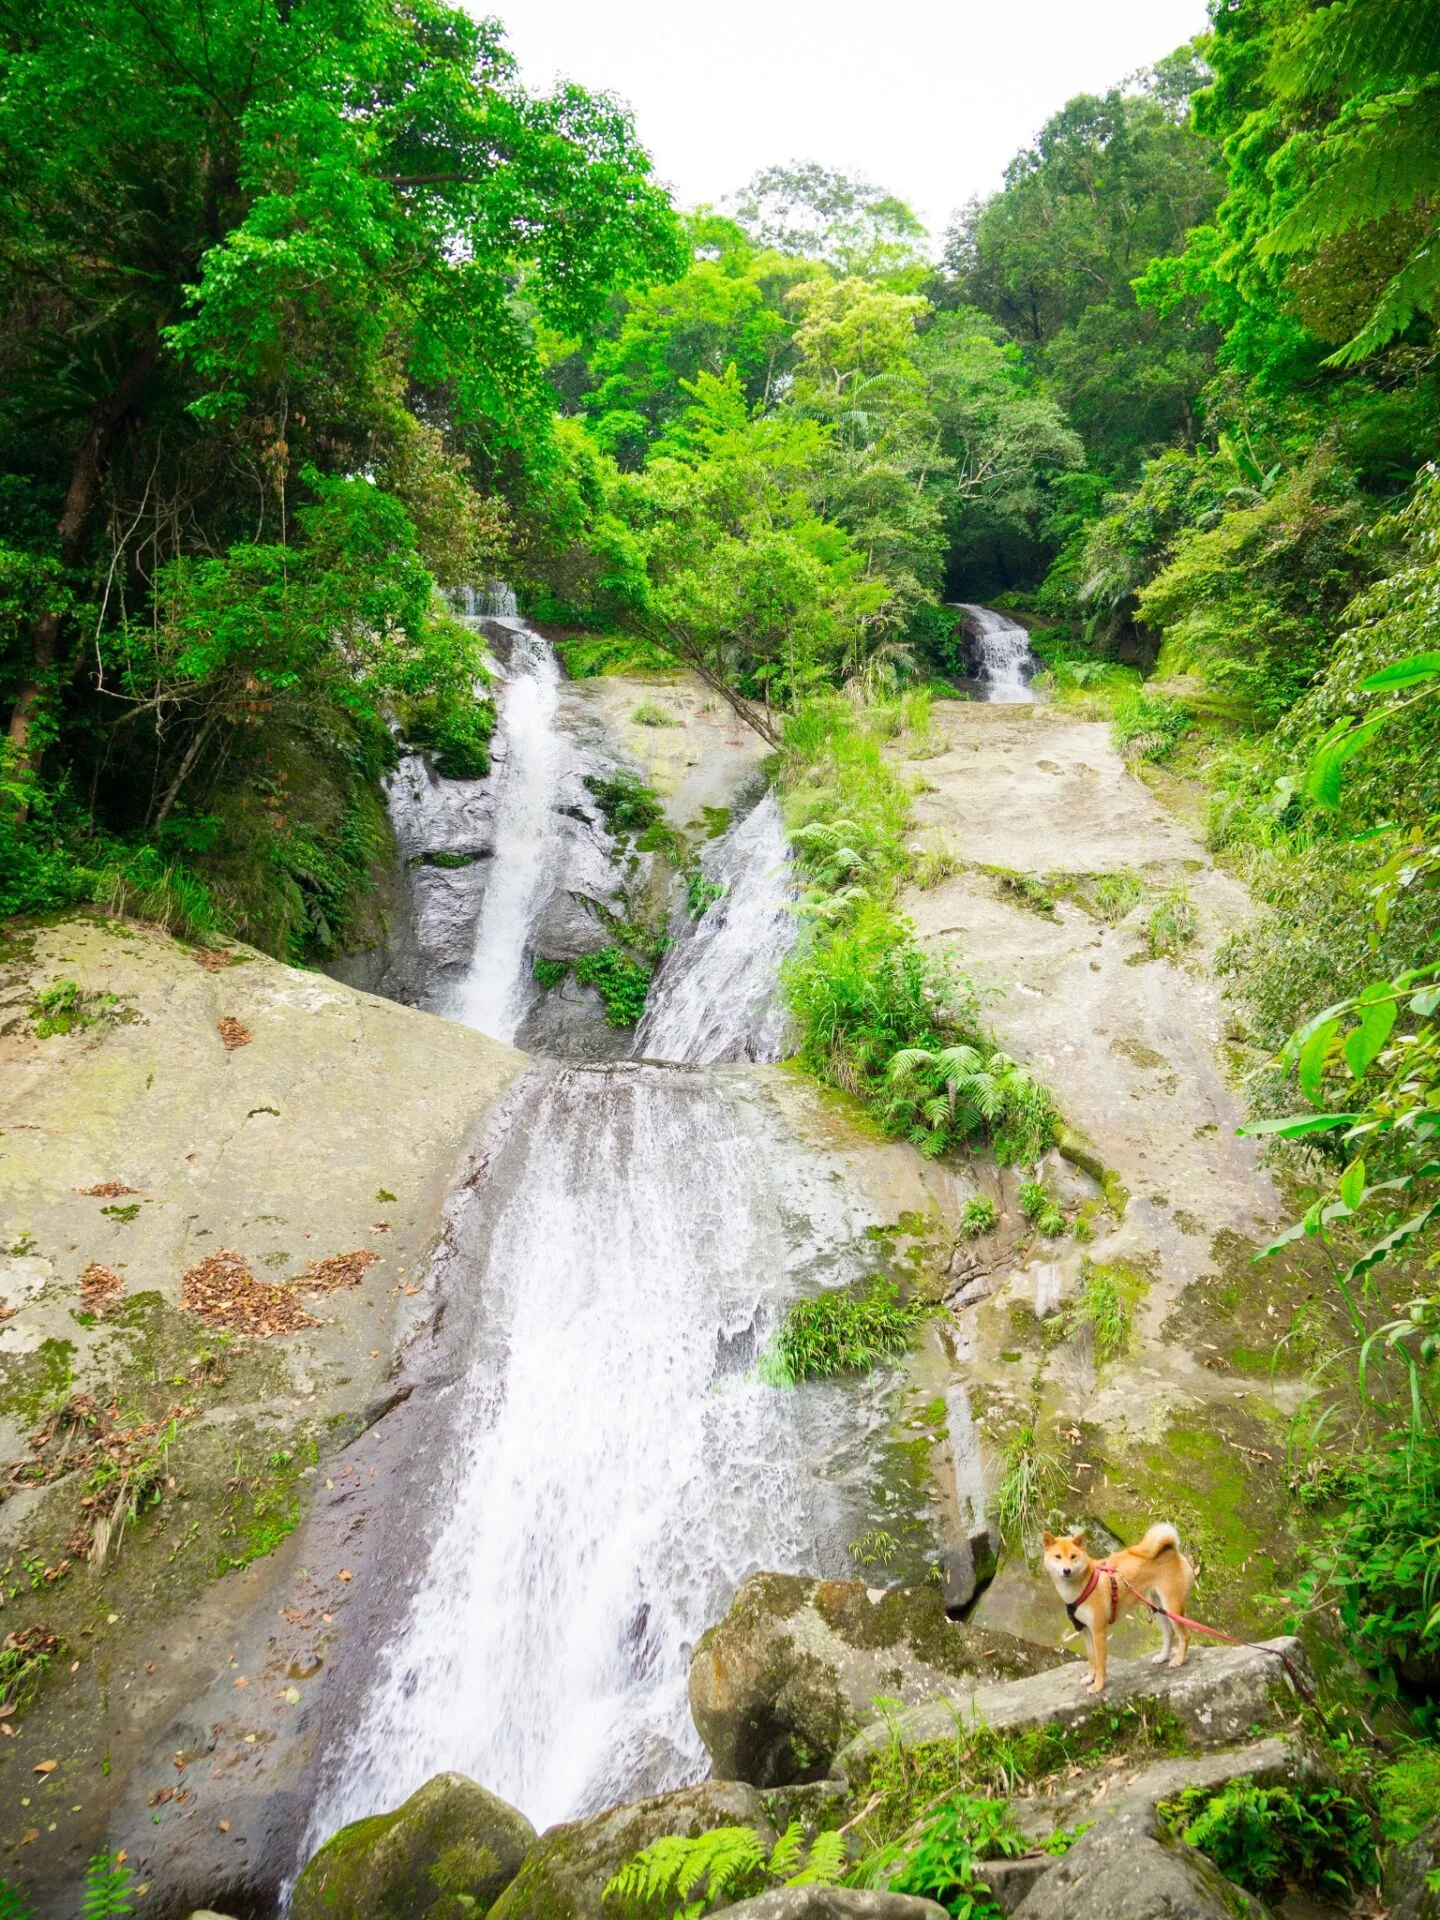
(1325, 774)
(1352, 1184)
(1426, 1002)
(1297, 1125)
(1392, 1242)
(1312, 1060)
(1411, 672)
(1377, 1017)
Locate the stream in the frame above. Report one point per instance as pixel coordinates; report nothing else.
(613, 1466)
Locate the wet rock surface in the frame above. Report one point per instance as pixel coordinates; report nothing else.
(776, 1686)
(1219, 1695)
(570, 1866)
(451, 1841)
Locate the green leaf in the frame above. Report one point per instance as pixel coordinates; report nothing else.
(1312, 1060)
(1426, 1003)
(1297, 1125)
(1325, 774)
(1352, 1184)
(1412, 672)
(1363, 1043)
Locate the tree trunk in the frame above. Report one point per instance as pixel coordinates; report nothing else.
(86, 478)
(759, 722)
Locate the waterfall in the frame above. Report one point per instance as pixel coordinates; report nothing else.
(614, 1467)
(496, 988)
(1004, 657)
(717, 995)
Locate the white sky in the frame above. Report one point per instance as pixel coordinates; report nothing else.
(929, 98)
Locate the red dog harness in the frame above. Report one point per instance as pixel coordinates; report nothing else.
(1100, 1566)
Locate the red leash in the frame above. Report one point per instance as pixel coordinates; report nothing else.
(1199, 1626)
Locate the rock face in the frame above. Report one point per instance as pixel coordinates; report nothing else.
(778, 1684)
(451, 1838)
(835, 1903)
(570, 1866)
(1219, 1695)
(1408, 1894)
(1121, 1869)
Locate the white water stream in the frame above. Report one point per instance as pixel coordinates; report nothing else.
(612, 1468)
(717, 996)
(494, 993)
(1004, 652)
(618, 1468)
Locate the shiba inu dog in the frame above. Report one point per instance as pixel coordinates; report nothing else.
(1097, 1592)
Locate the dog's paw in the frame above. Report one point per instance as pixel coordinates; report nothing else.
(1178, 1659)
(1162, 1658)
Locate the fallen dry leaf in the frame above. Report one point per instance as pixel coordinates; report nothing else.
(213, 959)
(223, 1825)
(99, 1287)
(233, 1033)
(242, 1681)
(340, 1270)
(224, 1293)
(106, 1190)
(30, 1833)
(344, 1574)
(47, 1766)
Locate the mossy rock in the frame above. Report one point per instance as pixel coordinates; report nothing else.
(570, 1866)
(452, 1849)
(777, 1687)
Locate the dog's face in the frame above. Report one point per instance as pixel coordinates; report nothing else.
(1065, 1555)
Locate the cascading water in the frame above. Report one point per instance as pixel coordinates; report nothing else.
(617, 1468)
(610, 1466)
(1004, 657)
(493, 993)
(717, 995)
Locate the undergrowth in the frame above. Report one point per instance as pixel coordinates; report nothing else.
(1267, 1838)
(842, 1332)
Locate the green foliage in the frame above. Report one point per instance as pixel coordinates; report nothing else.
(629, 808)
(682, 1878)
(1040, 1210)
(941, 1865)
(701, 894)
(66, 1007)
(107, 1889)
(1106, 1302)
(13, 1904)
(24, 1666)
(978, 1215)
(650, 713)
(1146, 727)
(1171, 924)
(1264, 1837)
(550, 972)
(622, 980)
(842, 1332)
(1030, 1476)
(1408, 1792)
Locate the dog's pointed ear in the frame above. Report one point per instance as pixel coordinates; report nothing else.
(1047, 1539)
(1078, 1536)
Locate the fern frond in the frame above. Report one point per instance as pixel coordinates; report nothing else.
(1344, 46)
(789, 1852)
(908, 1061)
(1383, 163)
(826, 1864)
(1414, 290)
(13, 1904)
(107, 1883)
(675, 1867)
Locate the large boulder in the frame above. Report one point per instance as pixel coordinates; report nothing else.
(570, 1866)
(777, 1687)
(450, 1841)
(1123, 1870)
(835, 1903)
(1411, 1890)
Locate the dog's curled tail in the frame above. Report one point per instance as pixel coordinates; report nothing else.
(1156, 1541)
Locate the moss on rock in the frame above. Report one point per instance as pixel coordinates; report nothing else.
(450, 1843)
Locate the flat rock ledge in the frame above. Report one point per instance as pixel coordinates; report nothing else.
(1221, 1695)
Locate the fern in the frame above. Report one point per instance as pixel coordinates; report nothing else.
(13, 1904)
(107, 1885)
(684, 1877)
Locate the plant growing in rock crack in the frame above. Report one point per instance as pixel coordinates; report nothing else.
(978, 1215)
(701, 894)
(1106, 1302)
(1172, 923)
(1030, 1475)
(107, 1888)
(67, 1007)
(841, 1332)
(680, 1878)
(1040, 1210)
(952, 1092)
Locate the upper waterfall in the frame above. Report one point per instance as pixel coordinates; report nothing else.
(494, 992)
(1004, 657)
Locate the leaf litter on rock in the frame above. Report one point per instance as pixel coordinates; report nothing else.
(233, 1033)
(222, 1291)
(100, 1288)
(106, 1190)
(339, 1270)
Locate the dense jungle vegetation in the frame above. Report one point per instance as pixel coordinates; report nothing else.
(314, 314)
